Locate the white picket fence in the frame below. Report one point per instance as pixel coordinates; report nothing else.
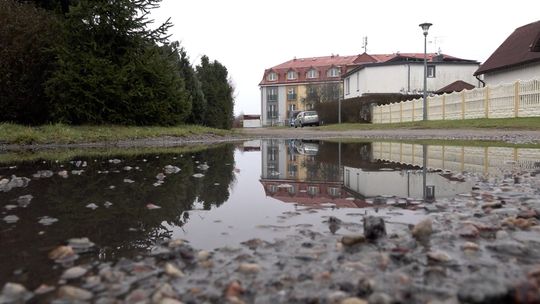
(520, 99)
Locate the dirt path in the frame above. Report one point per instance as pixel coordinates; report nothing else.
(512, 136)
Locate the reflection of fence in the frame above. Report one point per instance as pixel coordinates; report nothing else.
(457, 159)
(520, 99)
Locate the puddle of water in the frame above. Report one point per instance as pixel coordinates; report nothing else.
(222, 196)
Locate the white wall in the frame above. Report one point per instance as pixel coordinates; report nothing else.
(401, 183)
(396, 79)
(252, 123)
(526, 72)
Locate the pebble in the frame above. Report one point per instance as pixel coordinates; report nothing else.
(63, 174)
(11, 219)
(169, 301)
(129, 181)
(169, 169)
(15, 293)
(353, 301)
(173, 271)
(234, 289)
(61, 253)
(438, 255)
(203, 255)
(198, 175)
(249, 268)
(380, 298)
(74, 293)
(24, 200)
(349, 240)
(92, 206)
(47, 220)
(423, 229)
(470, 246)
(374, 227)
(73, 273)
(468, 231)
(107, 204)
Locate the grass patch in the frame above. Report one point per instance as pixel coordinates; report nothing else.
(64, 134)
(525, 123)
(62, 155)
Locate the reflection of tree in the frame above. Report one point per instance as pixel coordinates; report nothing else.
(324, 92)
(128, 225)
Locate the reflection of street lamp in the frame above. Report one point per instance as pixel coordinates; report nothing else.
(425, 28)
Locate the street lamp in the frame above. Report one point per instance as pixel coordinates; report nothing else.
(425, 28)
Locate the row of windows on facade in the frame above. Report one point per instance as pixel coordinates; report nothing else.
(311, 190)
(430, 74)
(272, 95)
(311, 74)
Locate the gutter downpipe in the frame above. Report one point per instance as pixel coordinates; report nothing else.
(483, 83)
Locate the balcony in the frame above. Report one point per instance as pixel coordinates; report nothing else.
(291, 97)
(271, 97)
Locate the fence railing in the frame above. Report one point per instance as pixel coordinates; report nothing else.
(520, 99)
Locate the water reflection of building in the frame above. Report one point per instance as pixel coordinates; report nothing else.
(291, 173)
(405, 183)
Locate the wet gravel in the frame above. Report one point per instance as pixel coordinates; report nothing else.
(478, 247)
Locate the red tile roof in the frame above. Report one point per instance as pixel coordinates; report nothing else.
(345, 63)
(517, 49)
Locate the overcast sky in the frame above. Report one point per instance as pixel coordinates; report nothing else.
(250, 36)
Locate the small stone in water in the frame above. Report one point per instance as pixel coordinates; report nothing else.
(80, 244)
(61, 252)
(160, 176)
(10, 207)
(129, 181)
(107, 204)
(112, 187)
(198, 175)
(127, 168)
(43, 289)
(63, 174)
(169, 169)
(14, 293)
(353, 301)
(92, 206)
(470, 246)
(24, 200)
(11, 219)
(152, 206)
(46, 220)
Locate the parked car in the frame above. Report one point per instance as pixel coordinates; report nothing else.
(292, 117)
(306, 147)
(306, 118)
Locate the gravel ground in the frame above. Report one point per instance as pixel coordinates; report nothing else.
(511, 136)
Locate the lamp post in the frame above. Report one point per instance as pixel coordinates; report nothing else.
(425, 28)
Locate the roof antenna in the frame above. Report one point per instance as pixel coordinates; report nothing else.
(364, 44)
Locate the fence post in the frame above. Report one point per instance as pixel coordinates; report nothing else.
(380, 114)
(401, 111)
(516, 99)
(486, 102)
(413, 109)
(443, 106)
(390, 112)
(463, 104)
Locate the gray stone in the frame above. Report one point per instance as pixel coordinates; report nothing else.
(483, 290)
(73, 293)
(74, 273)
(11, 219)
(15, 293)
(24, 200)
(374, 227)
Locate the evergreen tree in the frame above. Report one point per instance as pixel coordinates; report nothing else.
(194, 90)
(111, 70)
(27, 34)
(218, 93)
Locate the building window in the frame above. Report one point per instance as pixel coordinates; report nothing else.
(313, 190)
(271, 93)
(272, 76)
(272, 188)
(272, 111)
(431, 71)
(348, 85)
(333, 72)
(291, 75)
(291, 93)
(312, 73)
(334, 191)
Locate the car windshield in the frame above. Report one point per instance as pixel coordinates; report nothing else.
(311, 113)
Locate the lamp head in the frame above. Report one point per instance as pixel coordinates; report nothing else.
(425, 27)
